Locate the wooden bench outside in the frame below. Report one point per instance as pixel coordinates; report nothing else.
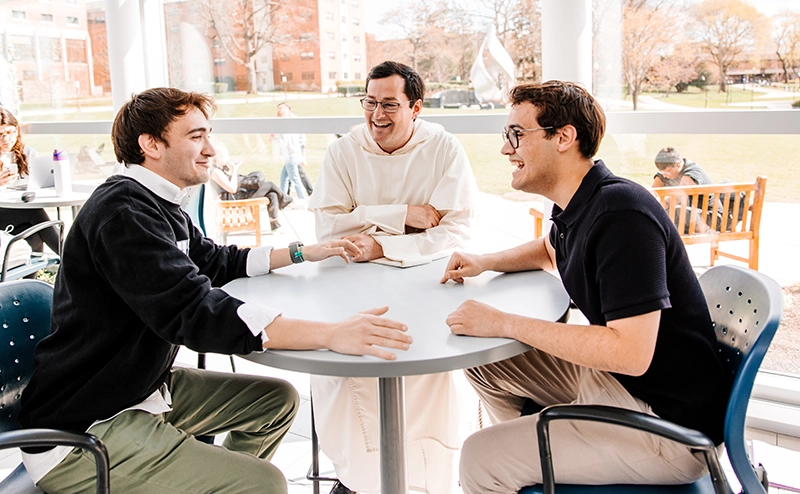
(704, 224)
(747, 198)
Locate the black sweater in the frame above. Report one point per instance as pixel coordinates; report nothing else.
(127, 294)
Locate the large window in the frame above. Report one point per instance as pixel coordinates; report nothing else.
(683, 98)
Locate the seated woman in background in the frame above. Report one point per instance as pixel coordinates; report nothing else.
(15, 156)
(227, 182)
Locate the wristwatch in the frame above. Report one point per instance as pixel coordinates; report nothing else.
(296, 252)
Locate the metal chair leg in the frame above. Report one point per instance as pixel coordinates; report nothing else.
(313, 470)
(201, 362)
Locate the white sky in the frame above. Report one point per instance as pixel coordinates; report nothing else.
(375, 9)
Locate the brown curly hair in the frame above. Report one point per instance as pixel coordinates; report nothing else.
(151, 112)
(18, 149)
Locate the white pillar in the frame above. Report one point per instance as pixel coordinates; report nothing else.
(567, 41)
(566, 51)
(90, 64)
(64, 55)
(607, 44)
(154, 39)
(125, 50)
(37, 53)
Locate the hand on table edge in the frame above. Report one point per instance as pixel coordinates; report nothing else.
(461, 265)
(359, 334)
(473, 318)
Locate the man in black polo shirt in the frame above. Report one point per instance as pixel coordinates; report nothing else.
(649, 347)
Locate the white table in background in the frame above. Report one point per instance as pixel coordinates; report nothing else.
(332, 290)
(45, 198)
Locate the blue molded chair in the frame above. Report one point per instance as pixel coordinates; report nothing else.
(25, 307)
(746, 309)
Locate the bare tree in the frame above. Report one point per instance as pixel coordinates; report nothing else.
(645, 42)
(525, 47)
(463, 39)
(420, 22)
(518, 26)
(727, 29)
(787, 43)
(244, 27)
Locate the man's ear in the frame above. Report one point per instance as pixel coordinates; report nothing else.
(567, 137)
(150, 146)
(416, 109)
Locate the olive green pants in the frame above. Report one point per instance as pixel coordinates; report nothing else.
(159, 454)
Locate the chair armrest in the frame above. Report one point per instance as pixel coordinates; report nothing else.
(26, 438)
(27, 233)
(625, 418)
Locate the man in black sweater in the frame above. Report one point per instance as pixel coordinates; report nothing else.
(137, 280)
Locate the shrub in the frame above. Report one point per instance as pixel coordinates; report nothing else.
(796, 104)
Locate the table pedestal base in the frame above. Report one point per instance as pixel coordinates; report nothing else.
(392, 413)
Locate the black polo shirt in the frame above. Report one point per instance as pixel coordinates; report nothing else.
(620, 256)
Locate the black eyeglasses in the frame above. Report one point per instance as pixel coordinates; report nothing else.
(388, 106)
(512, 135)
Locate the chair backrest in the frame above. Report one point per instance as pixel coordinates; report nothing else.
(746, 309)
(25, 307)
(194, 206)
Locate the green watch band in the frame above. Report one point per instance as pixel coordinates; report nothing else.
(296, 252)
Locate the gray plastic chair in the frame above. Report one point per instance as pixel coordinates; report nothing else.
(746, 308)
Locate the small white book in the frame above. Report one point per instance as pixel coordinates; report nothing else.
(412, 261)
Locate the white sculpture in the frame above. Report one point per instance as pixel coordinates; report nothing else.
(492, 74)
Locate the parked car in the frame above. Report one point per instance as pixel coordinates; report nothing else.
(451, 98)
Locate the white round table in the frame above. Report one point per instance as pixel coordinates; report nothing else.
(45, 198)
(333, 290)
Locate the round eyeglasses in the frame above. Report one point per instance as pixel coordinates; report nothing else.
(387, 106)
(513, 134)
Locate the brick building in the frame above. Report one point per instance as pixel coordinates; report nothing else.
(48, 46)
(330, 46)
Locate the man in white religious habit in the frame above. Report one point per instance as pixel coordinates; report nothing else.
(403, 191)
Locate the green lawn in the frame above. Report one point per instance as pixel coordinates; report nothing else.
(736, 95)
(732, 157)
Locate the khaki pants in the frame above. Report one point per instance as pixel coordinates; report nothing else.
(505, 457)
(159, 454)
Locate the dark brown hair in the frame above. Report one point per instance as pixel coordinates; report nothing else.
(414, 88)
(151, 112)
(565, 103)
(18, 149)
